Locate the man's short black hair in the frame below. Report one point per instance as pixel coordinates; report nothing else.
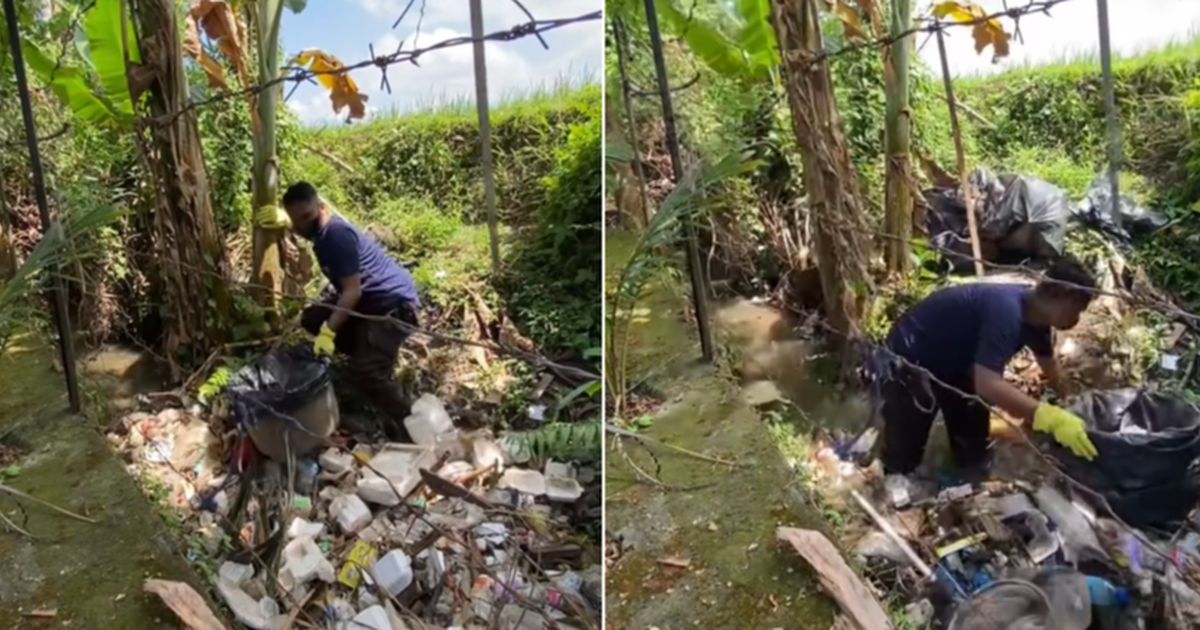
(1068, 278)
(300, 192)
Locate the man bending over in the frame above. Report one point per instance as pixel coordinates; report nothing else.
(365, 280)
(964, 336)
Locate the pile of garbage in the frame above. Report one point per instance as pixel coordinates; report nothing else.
(457, 529)
(1114, 544)
(1024, 218)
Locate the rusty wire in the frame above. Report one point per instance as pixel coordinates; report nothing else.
(296, 74)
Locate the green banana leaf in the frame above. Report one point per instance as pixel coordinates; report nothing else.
(102, 26)
(71, 87)
(713, 48)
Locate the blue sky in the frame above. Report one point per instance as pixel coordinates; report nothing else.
(345, 27)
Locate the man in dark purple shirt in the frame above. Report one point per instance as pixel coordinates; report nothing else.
(365, 280)
(960, 338)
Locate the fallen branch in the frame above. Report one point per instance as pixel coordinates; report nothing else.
(333, 159)
(651, 480)
(678, 449)
(15, 527)
(24, 495)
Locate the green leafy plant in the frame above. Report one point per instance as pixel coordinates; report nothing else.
(684, 204)
(102, 30)
(575, 441)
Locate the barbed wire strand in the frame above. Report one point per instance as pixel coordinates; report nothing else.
(400, 56)
(1036, 6)
(1156, 304)
(1018, 426)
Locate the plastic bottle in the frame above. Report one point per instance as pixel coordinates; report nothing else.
(307, 470)
(394, 571)
(428, 420)
(1104, 595)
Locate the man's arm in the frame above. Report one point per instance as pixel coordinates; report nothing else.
(991, 386)
(347, 300)
(1053, 373)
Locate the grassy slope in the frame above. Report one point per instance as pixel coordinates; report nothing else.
(1050, 121)
(416, 181)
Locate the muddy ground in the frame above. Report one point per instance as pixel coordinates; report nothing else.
(703, 553)
(90, 575)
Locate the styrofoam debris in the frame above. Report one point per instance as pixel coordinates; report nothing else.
(494, 533)
(350, 512)
(301, 527)
(527, 481)
(303, 562)
(486, 453)
(557, 469)
(373, 618)
(234, 573)
(336, 461)
(455, 471)
(563, 489)
(428, 420)
(247, 611)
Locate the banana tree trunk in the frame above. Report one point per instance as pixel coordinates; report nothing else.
(898, 204)
(830, 182)
(267, 268)
(189, 264)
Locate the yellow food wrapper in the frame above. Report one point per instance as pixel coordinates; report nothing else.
(362, 557)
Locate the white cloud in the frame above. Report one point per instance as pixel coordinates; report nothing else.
(1072, 28)
(313, 108)
(381, 8)
(387, 44)
(514, 67)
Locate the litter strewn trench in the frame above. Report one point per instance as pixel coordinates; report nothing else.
(294, 520)
(1045, 539)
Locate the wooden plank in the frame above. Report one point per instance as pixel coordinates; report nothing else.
(186, 603)
(836, 577)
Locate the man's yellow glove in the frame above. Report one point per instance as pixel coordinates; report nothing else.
(1067, 429)
(323, 344)
(272, 218)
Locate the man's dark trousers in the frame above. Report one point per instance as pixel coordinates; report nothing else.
(911, 401)
(371, 347)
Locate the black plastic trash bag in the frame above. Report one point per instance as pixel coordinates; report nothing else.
(1137, 222)
(1148, 445)
(1019, 218)
(280, 381)
(284, 399)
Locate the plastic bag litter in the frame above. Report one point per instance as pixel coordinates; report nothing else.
(282, 380)
(1137, 222)
(1024, 217)
(286, 393)
(1149, 447)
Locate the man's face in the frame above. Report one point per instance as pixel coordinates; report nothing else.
(306, 218)
(1065, 311)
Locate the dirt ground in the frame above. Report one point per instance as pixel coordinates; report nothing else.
(90, 575)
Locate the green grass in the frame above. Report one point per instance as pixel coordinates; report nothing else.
(1083, 63)
(562, 93)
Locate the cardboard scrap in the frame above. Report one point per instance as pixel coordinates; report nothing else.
(836, 577)
(186, 603)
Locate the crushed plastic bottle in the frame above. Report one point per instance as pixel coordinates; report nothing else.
(1104, 595)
